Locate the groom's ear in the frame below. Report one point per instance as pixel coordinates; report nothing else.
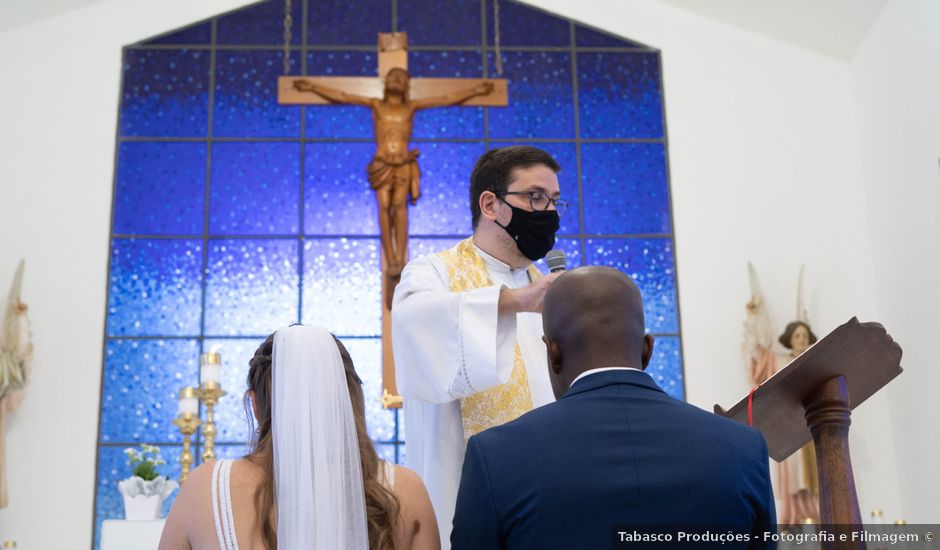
(553, 353)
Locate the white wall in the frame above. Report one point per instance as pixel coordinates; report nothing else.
(766, 166)
(896, 75)
(59, 108)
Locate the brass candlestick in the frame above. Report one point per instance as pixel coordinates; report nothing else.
(209, 393)
(187, 423)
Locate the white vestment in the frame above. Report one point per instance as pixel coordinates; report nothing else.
(446, 343)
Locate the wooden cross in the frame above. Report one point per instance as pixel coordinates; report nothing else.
(393, 53)
(393, 173)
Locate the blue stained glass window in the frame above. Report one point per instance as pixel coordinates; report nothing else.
(230, 415)
(402, 449)
(252, 286)
(619, 95)
(458, 121)
(366, 354)
(348, 23)
(421, 19)
(418, 247)
(649, 262)
(585, 36)
(246, 95)
(343, 285)
(340, 121)
(233, 451)
(154, 287)
(337, 196)
(255, 189)
(625, 188)
(166, 93)
(522, 25)
(566, 156)
(444, 206)
(140, 385)
(540, 96)
(160, 188)
(112, 468)
(666, 366)
(261, 23)
(196, 34)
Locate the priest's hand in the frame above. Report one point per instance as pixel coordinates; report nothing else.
(526, 298)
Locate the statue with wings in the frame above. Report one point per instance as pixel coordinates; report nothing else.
(795, 482)
(16, 354)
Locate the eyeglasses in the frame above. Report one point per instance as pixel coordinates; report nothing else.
(539, 200)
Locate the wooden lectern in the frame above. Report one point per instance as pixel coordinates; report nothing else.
(813, 398)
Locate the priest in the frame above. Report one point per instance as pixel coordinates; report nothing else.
(466, 322)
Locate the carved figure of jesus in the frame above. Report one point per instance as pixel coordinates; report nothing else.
(393, 172)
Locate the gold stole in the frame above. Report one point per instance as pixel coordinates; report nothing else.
(505, 402)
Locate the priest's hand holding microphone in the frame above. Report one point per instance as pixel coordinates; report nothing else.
(529, 298)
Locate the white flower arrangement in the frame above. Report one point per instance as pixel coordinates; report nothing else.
(145, 480)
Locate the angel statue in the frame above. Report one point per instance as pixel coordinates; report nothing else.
(795, 483)
(16, 355)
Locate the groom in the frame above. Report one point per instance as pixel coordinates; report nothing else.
(614, 450)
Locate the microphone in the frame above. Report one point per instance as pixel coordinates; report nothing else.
(556, 260)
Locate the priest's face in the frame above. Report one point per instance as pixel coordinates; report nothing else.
(532, 189)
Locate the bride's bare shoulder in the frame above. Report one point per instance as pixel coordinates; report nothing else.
(416, 510)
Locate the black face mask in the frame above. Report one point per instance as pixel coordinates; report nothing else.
(533, 232)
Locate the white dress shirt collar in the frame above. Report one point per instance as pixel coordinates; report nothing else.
(603, 369)
(496, 265)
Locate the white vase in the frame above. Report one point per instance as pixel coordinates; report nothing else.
(143, 500)
(141, 507)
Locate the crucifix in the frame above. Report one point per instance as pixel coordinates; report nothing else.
(393, 97)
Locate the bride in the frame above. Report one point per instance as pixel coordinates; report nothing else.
(312, 479)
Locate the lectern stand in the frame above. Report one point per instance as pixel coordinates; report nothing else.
(813, 398)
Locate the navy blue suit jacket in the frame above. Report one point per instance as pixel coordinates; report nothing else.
(614, 450)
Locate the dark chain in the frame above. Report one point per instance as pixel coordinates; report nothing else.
(288, 23)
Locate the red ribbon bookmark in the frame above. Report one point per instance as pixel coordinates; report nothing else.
(750, 406)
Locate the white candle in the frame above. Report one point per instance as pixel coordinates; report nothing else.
(189, 403)
(210, 368)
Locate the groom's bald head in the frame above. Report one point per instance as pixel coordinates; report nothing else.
(593, 318)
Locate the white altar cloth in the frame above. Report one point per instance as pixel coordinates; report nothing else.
(121, 534)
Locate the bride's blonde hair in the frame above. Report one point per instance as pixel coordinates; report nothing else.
(382, 506)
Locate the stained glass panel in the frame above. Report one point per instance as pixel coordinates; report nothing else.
(154, 287)
(255, 189)
(166, 93)
(251, 286)
(625, 188)
(337, 197)
(540, 96)
(618, 94)
(246, 95)
(140, 387)
(343, 285)
(160, 188)
(348, 23)
(421, 19)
